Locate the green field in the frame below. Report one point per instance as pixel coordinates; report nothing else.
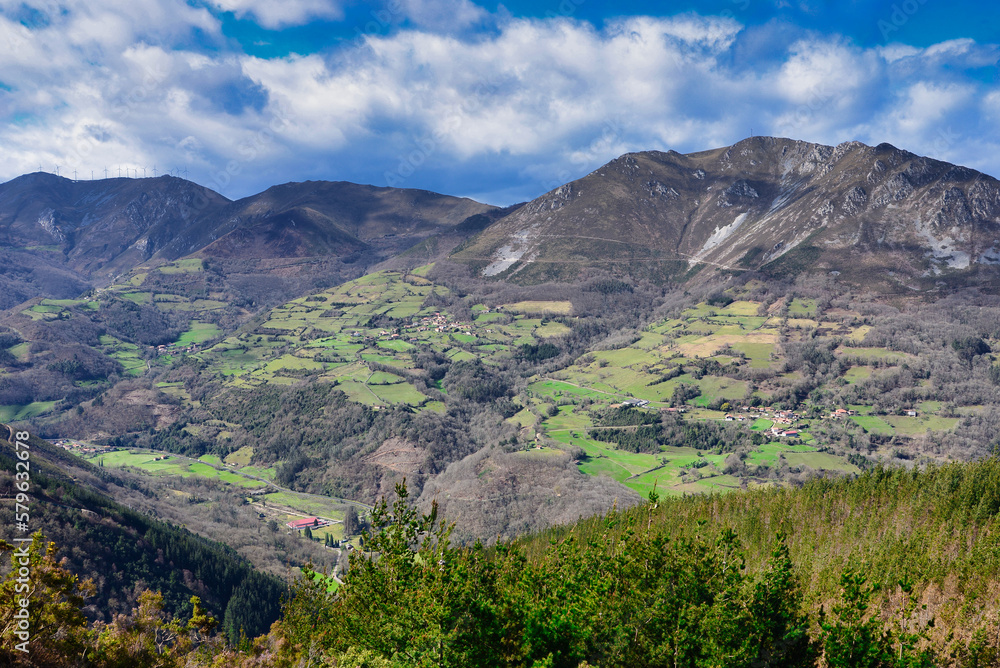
(199, 332)
(310, 504)
(185, 266)
(161, 464)
(874, 424)
(27, 411)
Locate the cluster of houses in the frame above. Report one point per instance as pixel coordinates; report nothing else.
(783, 420)
(175, 348)
(438, 322)
(80, 448)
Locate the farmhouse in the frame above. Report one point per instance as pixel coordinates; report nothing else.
(635, 403)
(305, 523)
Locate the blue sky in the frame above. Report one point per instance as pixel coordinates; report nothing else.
(500, 101)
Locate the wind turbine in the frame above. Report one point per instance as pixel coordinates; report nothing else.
(119, 171)
(154, 171)
(105, 172)
(74, 175)
(57, 170)
(91, 175)
(143, 172)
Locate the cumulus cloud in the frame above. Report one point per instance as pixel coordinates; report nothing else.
(441, 15)
(276, 14)
(510, 110)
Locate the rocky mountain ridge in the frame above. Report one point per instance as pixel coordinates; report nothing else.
(778, 205)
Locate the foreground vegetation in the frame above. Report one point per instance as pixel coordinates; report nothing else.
(895, 568)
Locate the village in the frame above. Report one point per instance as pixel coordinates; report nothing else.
(81, 448)
(439, 322)
(786, 423)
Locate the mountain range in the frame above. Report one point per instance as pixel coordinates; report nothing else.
(74, 234)
(877, 216)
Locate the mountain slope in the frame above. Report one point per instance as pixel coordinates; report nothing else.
(123, 550)
(57, 236)
(764, 203)
(98, 226)
(322, 217)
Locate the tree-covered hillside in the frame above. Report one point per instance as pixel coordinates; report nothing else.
(123, 552)
(894, 568)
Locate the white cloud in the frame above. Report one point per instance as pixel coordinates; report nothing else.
(276, 14)
(923, 105)
(440, 15)
(542, 100)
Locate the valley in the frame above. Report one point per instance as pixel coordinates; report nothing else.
(718, 372)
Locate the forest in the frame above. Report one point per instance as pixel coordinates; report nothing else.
(881, 570)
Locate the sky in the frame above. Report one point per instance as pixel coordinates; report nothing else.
(498, 101)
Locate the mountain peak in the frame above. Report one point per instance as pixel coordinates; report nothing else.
(773, 204)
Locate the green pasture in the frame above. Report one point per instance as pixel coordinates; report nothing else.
(874, 424)
(769, 453)
(199, 332)
(310, 504)
(185, 266)
(137, 297)
(912, 426)
(802, 308)
(857, 373)
(13, 413)
(160, 464)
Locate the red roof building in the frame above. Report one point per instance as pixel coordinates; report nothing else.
(304, 523)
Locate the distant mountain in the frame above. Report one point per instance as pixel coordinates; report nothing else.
(870, 214)
(95, 228)
(58, 236)
(321, 218)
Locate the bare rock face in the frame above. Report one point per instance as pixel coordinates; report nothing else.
(775, 205)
